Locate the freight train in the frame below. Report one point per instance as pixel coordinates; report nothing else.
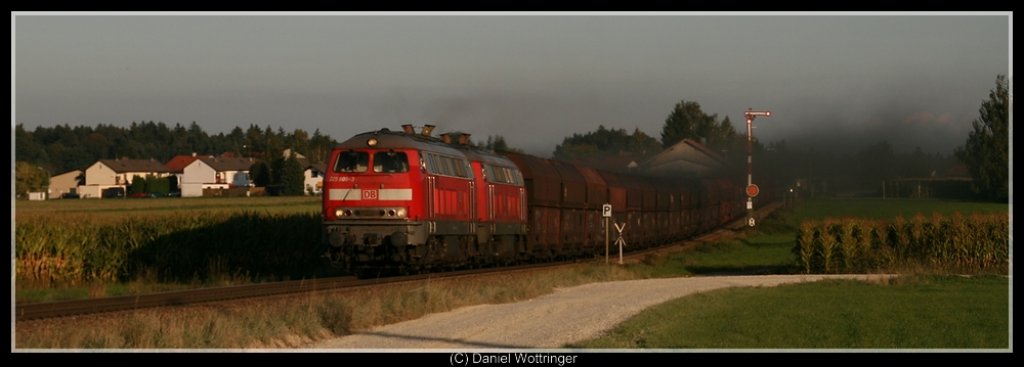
(406, 200)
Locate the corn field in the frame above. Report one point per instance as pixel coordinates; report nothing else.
(79, 248)
(951, 243)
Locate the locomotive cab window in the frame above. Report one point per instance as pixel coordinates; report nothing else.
(352, 161)
(390, 162)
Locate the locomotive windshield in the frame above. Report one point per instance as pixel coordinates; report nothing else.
(352, 161)
(390, 162)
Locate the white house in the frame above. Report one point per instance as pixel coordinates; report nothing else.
(176, 166)
(314, 178)
(214, 173)
(64, 183)
(110, 173)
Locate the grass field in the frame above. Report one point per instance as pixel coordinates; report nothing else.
(759, 254)
(914, 312)
(119, 209)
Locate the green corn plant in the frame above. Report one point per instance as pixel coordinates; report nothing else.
(960, 240)
(828, 244)
(901, 239)
(882, 248)
(938, 242)
(865, 254)
(918, 239)
(847, 243)
(806, 234)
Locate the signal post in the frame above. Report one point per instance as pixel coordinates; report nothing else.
(752, 190)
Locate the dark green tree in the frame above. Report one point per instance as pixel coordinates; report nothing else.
(260, 173)
(723, 136)
(29, 178)
(607, 142)
(158, 185)
(986, 152)
(138, 185)
(320, 146)
(687, 121)
(172, 184)
(291, 177)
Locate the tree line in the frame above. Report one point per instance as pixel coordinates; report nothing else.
(62, 148)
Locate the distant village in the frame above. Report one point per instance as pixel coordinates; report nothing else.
(190, 176)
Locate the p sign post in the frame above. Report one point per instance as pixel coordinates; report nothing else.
(606, 212)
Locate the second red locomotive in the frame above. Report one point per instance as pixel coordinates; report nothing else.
(410, 200)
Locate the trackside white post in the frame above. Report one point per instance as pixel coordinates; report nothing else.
(606, 212)
(620, 241)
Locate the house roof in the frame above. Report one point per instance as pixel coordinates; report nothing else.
(75, 173)
(221, 164)
(134, 165)
(614, 163)
(686, 156)
(178, 163)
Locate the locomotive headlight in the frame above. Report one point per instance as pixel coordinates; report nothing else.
(372, 142)
(339, 212)
(400, 213)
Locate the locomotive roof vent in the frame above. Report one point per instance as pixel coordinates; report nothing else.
(457, 136)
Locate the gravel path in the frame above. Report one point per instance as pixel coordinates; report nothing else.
(551, 321)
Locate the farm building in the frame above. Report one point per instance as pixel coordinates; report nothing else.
(114, 173)
(685, 157)
(65, 183)
(210, 172)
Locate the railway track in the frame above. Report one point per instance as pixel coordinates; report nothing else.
(33, 311)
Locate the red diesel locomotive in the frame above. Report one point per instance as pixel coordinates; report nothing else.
(413, 201)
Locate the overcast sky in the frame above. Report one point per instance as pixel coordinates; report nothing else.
(836, 80)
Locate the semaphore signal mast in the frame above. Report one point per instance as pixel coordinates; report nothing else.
(752, 190)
